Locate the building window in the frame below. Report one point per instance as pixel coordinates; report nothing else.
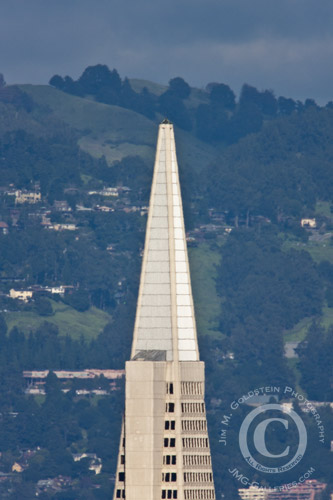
(169, 442)
(169, 460)
(122, 459)
(121, 476)
(170, 407)
(170, 425)
(169, 493)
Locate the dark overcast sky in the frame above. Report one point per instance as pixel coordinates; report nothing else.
(285, 45)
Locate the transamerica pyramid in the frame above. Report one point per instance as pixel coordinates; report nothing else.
(164, 449)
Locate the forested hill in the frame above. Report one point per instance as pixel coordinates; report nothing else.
(76, 160)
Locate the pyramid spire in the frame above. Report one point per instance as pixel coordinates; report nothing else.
(165, 322)
(164, 448)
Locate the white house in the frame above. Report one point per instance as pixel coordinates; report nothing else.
(24, 295)
(27, 196)
(309, 223)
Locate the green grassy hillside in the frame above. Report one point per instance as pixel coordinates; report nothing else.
(113, 131)
(155, 88)
(203, 262)
(69, 321)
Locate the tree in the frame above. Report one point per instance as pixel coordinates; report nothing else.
(79, 300)
(310, 103)
(289, 279)
(268, 103)
(212, 123)
(43, 306)
(315, 353)
(248, 119)
(95, 77)
(24, 491)
(173, 108)
(222, 95)
(179, 88)
(3, 328)
(146, 103)
(57, 81)
(100, 81)
(286, 106)
(265, 101)
(249, 94)
(71, 86)
(52, 385)
(2, 81)
(129, 98)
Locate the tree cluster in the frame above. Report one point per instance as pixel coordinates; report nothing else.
(278, 173)
(107, 87)
(316, 365)
(217, 119)
(265, 291)
(62, 424)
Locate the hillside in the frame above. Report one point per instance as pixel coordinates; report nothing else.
(113, 131)
(242, 186)
(76, 161)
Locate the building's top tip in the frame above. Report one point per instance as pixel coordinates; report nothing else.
(166, 122)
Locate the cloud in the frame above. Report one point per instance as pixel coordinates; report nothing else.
(298, 69)
(285, 45)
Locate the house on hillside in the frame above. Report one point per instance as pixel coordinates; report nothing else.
(61, 206)
(54, 290)
(104, 208)
(308, 490)
(64, 227)
(17, 467)
(309, 223)
(46, 222)
(4, 227)
(106, 191)
(23, 196)
(95, 463)
(58, 290)
(109, 191)
(81, 208)
(23, 295)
